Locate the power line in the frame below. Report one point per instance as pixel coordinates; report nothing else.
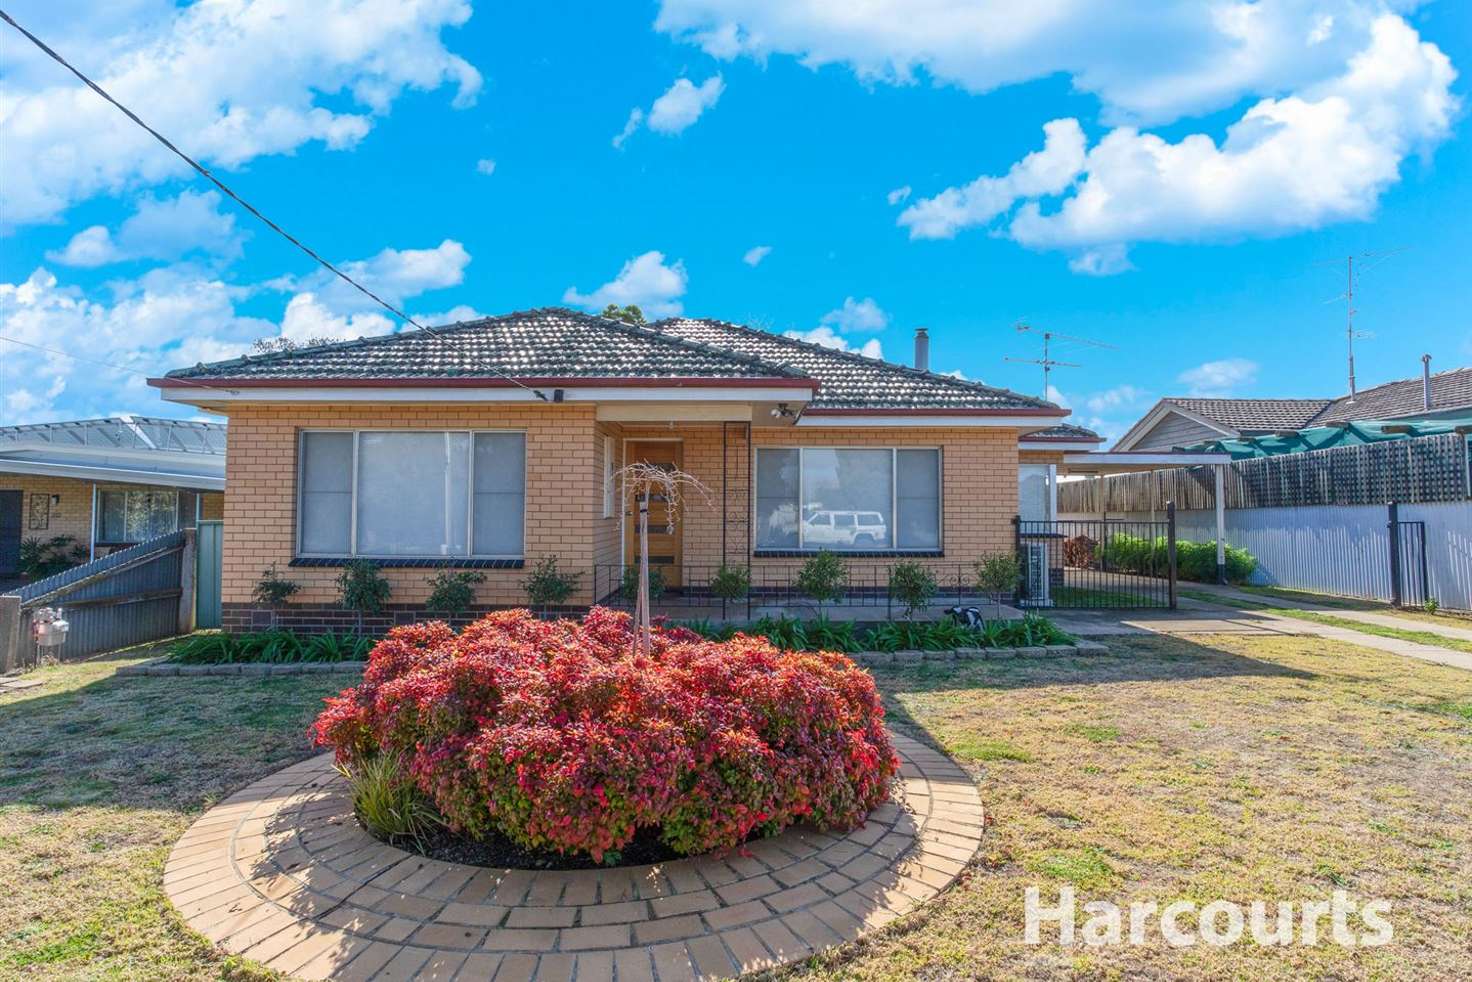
(241, 201)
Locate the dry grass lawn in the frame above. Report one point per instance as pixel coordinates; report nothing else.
(1225, 767)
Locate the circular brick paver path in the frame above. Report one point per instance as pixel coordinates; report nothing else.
(283, 873)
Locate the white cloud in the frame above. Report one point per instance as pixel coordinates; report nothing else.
(1219, 378)
(172, 316)
(676, 110)
(898, 195)
(230, 80)
(756, 254)
(158, 229)
(646, 280)
(1119, 397)
(828, 339)
(679, 108)
(1346, 90)
(393, 274)
(636, 118)
(485, 166)
(856, 315)
(1048, 171)
(1152, 62)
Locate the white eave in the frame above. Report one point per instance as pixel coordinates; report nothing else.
(118, 475)
(198, 395)
(1001, 420)
(1163, 409)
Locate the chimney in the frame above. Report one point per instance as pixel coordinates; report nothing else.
(1426, 382)
(922, 349)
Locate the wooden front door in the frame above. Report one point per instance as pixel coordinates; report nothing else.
(10, 523)
(666, 549)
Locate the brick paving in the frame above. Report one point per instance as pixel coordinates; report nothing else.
(283, 874)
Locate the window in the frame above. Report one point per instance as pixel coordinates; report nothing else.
(136, 515)
(849, 500)
(412, 494)
(1035, 492)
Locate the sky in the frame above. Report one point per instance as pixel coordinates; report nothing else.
(1180, 182)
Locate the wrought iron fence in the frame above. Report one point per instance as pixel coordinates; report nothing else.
(1097, 563)
(777, 585)
(1409, 582)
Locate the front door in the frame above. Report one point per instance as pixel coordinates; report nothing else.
(666, 553)
(10, 508)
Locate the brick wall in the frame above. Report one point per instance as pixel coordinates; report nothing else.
(71, 515)
(564, 495)
(563, 490)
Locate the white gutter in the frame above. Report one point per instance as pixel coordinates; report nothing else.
(199, 482)
(195, 395)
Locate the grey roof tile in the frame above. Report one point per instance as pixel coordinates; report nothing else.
(1254, 414)
(546, 343)
(559, 343)
(849, 380)
(1449, 390)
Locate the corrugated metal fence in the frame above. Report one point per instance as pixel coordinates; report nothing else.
(1342, 549)
(140, 594)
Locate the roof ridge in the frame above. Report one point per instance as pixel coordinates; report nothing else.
(854, 356)
(649, 330)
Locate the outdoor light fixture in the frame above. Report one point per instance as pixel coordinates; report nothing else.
(783, 411)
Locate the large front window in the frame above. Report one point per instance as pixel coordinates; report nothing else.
(412, 494)
(848, 500)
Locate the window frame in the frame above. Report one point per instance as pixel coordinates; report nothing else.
(468, 556)
(894, 486)
(99, 511)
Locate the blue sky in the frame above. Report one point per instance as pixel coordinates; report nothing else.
(462, 158)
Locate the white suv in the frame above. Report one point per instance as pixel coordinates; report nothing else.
(864, 529)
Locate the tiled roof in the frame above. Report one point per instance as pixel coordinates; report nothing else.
(848, 380)
(559, 343)
(1065, 431)
(1449, 390)
(1254, 414)
(547, 343)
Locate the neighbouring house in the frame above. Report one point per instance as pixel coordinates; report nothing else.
(1176, 422)
(491, 444)
(107, 483)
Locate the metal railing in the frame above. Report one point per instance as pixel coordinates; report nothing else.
(1103, 564)
(1409, 581)
(776, 585)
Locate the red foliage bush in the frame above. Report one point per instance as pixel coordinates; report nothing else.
(555, 734)
(1080, 552)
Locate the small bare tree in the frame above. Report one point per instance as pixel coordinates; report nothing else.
(645, 482)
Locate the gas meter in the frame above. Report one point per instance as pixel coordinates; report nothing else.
(49, 627)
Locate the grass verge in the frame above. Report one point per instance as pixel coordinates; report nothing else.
(1332, 620)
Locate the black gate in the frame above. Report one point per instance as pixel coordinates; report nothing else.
(1097, 563)
(1409, 584)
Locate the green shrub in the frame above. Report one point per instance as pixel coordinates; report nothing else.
(826, 635)
(1194, 560)
(730, 582)
(272, 589)
(912, 585)
(547, 586)
(824, 578)
(387, 801)
(40, 558)
(628, 587)
(269, 646)
(453, 591)
(787, 633)
(362, 587)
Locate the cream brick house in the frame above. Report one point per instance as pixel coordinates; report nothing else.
(490, 444)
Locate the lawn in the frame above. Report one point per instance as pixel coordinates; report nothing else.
(1446, 617)
(1240, 767)
(1407, 633)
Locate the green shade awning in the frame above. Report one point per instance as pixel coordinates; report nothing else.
(1352, 434)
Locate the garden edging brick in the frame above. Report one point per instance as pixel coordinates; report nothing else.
(164, 667)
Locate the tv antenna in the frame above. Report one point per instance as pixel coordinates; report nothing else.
(1368, 261)
(1047, 362)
